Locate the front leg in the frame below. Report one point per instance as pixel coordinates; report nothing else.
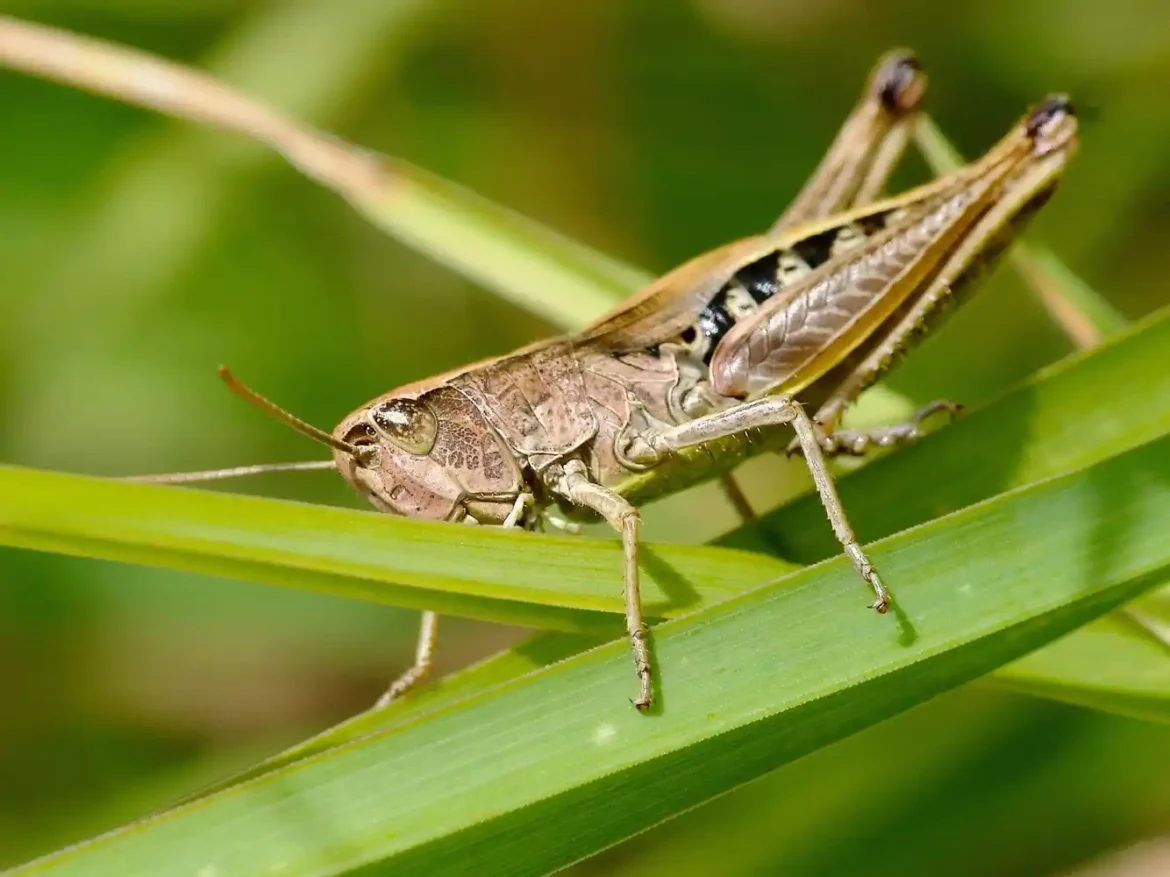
(573, 484)
(770, 411)
(424, 652)
(428, 633)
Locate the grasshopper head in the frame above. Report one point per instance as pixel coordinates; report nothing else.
(428, 455)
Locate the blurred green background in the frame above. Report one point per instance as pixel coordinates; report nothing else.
(136, 254)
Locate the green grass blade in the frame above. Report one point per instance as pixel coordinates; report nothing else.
(515, 257)
(1103, 779)
(538, 651)
(1089, 406)
(1112, 665)
(563, 281)
(555, 766)
(794, 812)
(1083, 314)
(554, 582)
(169, 192)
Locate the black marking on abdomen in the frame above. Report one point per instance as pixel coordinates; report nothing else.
(815, 251)
(770, 273)
(714, 323)
(872, 223)
(759, 279)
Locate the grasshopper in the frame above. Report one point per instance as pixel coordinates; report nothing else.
(704, 367)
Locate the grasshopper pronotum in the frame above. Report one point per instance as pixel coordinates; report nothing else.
(697, 372)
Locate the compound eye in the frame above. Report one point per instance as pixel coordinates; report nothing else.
(407, 423)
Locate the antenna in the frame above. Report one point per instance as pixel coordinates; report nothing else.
(234, 472)
(366, 455)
